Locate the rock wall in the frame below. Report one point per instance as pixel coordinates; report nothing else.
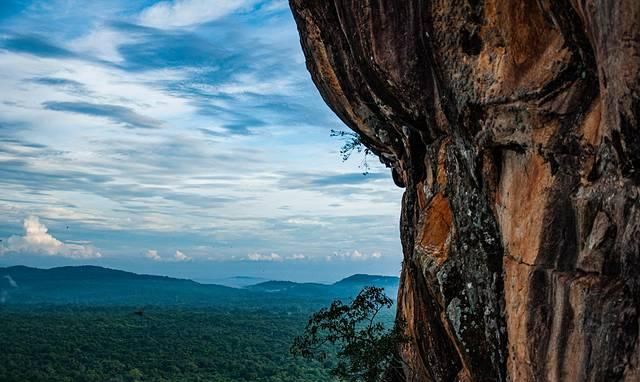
(513, 126)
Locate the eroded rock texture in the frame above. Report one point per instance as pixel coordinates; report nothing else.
(513, 126)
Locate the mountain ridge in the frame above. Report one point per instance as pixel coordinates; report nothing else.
(106, 271)
(100, 285)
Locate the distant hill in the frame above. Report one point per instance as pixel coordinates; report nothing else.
(235, 281)
(92, 285)
(365, 280)
(78, 273)
(347, 287)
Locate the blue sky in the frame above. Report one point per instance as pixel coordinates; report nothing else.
(178, 137)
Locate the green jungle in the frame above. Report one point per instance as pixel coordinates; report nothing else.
(97, 324)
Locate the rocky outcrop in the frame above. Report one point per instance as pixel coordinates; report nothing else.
(513, 126)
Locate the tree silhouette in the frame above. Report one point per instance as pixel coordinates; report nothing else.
(366, 348)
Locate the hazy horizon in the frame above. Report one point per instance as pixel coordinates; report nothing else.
(218, 278)
(300, 272)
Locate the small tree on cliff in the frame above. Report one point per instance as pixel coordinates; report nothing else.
(366, 349)
(353, 143)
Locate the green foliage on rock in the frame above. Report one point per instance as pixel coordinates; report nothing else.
(353, 143)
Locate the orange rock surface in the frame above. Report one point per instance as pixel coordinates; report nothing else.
(513, 127)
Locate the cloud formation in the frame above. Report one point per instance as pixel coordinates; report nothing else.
(102, 43)
(38, 241)
(179, 256)
(35, 45)
(118, 114)
(242, 164)
(183, 13)
(261, 257)
(153, 255)
(355, 256)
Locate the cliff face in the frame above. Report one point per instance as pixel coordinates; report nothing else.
(513, 126)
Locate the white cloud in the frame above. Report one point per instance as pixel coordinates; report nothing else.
(275, 5)
(101, 43)
(246, 83)
(179, 256)
(183, 13)
(99, 83)
(305, 221)
(355, 256)
(37, 240)
(260, 257)
(153, 255)
(273, 257)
